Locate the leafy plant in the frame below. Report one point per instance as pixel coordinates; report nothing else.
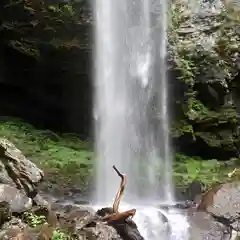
(187, 169)
(59, 235)
(33, 220)
(66, 10)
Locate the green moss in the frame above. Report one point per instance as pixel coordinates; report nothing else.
(60, 235)
(25, 48)
(210, 139)
(222, 139)
(186, 67)
(187, 169)
(197, 65)
(33, 220)
(194, 109)
(66, 153)
(59, 43)
(180, 128)
(67, 10)
(224, 115)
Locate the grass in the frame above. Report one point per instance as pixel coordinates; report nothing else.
(65, 154)
(208, 172)
(72, 158)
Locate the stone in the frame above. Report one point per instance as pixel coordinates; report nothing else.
(194, 189)
(99, 232)
(127, 229)
(38, 200)
(16, 229)
(203, 56)
(17, 170)
(4, 177)
(203, 226)
(85, 223)
(225, 204)
(17, 200)
(5, 212)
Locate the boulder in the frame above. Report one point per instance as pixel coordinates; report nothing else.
(193, 190)
(127, 229)
(223, 202)
(203, 226)
(39, 200)
(17, 200)
(17, 170)
(16, 229)
(85, 223)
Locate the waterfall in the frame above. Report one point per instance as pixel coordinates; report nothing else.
(131, 112)
(131, 100)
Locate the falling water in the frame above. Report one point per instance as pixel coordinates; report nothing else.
(131, 100)
(131, 117)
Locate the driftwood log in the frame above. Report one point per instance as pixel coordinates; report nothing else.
(116, 215)
(121, 221)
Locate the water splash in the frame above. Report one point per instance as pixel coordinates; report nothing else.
(152, 226)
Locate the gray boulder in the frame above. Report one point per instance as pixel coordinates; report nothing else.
(17, 170)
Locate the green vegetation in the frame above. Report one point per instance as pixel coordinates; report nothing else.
(72, 158)
(66, 154)
(66, 10)
(208, 172)
(205, 72)
(34, 221)
(202, 55)
(59, 235)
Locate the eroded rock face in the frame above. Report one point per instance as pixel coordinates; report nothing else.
(62, 48)
(204, 55)
(17, 170)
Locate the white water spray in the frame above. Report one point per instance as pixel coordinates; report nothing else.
(131, 100)
(131, 122)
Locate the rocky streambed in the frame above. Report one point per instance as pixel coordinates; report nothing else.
(27, 213)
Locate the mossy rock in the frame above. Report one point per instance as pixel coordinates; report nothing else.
(204, 52)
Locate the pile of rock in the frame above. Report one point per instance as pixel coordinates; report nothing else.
(19, 200)
(25, 214)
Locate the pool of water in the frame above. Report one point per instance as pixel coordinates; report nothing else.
(152, 225)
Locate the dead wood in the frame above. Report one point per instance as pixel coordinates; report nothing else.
(116, 216)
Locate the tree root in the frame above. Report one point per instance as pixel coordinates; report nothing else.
(117, 216)
(120, 216)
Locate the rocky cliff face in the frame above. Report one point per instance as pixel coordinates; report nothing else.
(204, 59)
(45, 75)
(45, 63)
